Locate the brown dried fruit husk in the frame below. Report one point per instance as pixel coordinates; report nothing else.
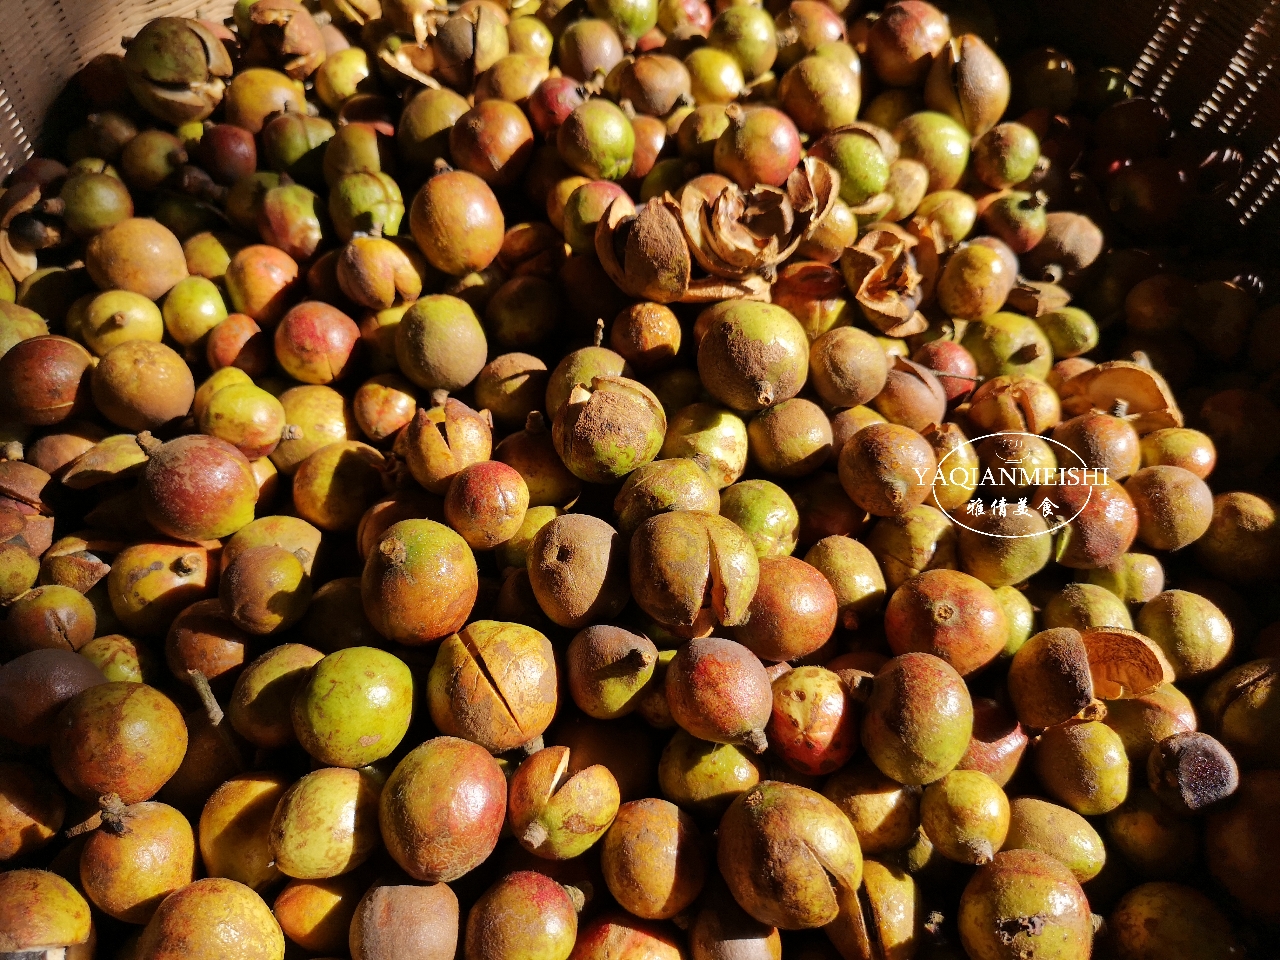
(1124, 663)
(882, 272)
(1126, 389)
(645, 253)
(735, 234)
(1035, 298)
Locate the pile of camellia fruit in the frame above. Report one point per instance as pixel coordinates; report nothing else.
(628, 480)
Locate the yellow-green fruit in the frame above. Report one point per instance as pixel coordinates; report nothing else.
(213, 919)
(705, 777)
(1082, 606)
(1083, 765)
(235, 829)
(1156, 842)
(883, 919)
(354, 707)
(1025, 905)
(1039, 825)
(966, 816)
(884, 813)
(1193, 633)
(326, 824)
(918, 719)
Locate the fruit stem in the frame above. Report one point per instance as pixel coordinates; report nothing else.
(535, 422)
(12, 451)
(535, 835)
(578, 895)
(599, 334)
(438, 397)
(756, 741)
(291, 431)
(148, 443)
(1120, 407)
(440, 166)
(214, 712)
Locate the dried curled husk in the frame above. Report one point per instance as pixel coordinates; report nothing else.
(882, 271)
(1124, 389)
(735, 234)
(1124, 663)
(1035, 298)
(291, 34)
(403, 61)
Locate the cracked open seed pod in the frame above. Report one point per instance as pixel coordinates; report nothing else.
(690, 570)
(1124, 389)
(882, 271)
(608, 429)
(174, 68)
(737, 234)
(443, 439)
(643, 251)
(968, 83)
(291, 35)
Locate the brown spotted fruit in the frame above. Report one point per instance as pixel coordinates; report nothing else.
(203, 638)
(442, 439)
(354, 707)
(654, 859)
(608, 428)
(486, 503)
(122, 738)
(556, 813)
(40, 911)
(793, 611)
(35, 686)
(140, 854)
(442, 809)
(1025, 905)
(918, 720)
(814, 726)
(718, 690)
(753, 355)
(419, 583)
(619, 936)
(787, 853)
(950, 615)
(212, 919)
(494, 684)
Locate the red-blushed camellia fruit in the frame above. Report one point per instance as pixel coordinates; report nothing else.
(442, 809)
(316, 343)
(814, 727)
(950, 615)
(213, 919)
(620, 936)
(198, 488)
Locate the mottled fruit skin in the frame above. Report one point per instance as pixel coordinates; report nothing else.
(326, 824)
(787, 854)
(127, 874)
(608, 669)
(793, 611)
(884, 813)
(442, 809)
(557, 815)
(718, 690)
(1039, 825)
(622, 936)
(213, 919)
(1169, 921)
(493, 683)
(122, 738)
(753, 355)
(705, 777)
(524, 916)
(419, 583)
(354, 707)
(814, 726)
(394, 920)
(605, 432)
(950, 615)
(198, 488)
(887, 469)
(918, 720)
(1025, 905)
(578, 570)
(653, 859)
(486, 504)
(39, 908)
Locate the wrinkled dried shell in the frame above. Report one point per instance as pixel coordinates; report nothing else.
(645, 254)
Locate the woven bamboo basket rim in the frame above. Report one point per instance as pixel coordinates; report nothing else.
(1213, 64)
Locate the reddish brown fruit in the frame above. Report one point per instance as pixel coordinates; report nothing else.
(814, 726)
(718, 691)
(950, 615)
(793, 612)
